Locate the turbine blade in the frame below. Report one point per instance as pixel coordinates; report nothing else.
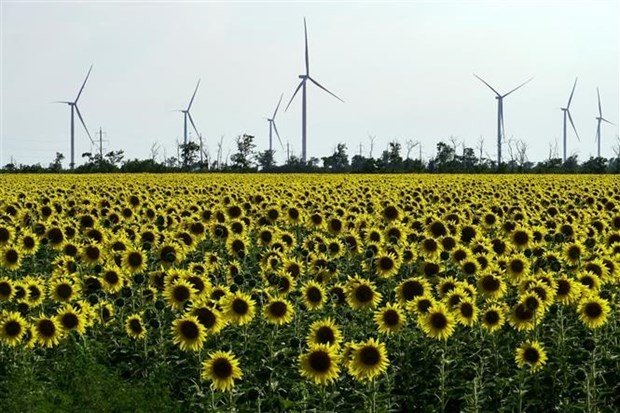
(571, 94)
(319, 85)
(192, 122)
(600, 111)
(306, 39)
(293, 97)
(277, 134)
(605, 120)
(84, 124)
(277, 107)
(62, 101)
(570, 118)
(490, 87)
(519, 87)
(83, 84)
(193, 96)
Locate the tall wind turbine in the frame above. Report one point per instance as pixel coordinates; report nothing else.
(273, 128)
(74, 109)
(302, 85)
(600, 119)
(187, 115)
(500, 115)
(566, 112)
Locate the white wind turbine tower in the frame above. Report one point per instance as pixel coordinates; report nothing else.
(187, 115)
(302, 85)
(273, 128)
(566, 112)
(600, 119)
(500, 115)
(74, 109)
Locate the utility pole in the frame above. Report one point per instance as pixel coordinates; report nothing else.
(288, 152)
(360, 149)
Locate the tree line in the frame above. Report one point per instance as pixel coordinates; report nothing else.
(451, 157)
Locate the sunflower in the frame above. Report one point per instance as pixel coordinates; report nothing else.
(466, 312)
(320, 364)
(278, 311)
(188, 333)
(210, 318)
(64, 289)
(367, 360)
(239, 308)
(362, 293)
(133, 261)
(521, 238)
(222, 369)
(593, 311)
(386, 265)
(35, 291)
(411, 288)
(589, 281)
(567, 291)
(104, 312)
(573, 252)
(445, 286)
(532, 355)
(421, 304)
(48, 331)
(493, 317)
(324, 332)
(134, 326)
(7, 289)
(437, 322)
(179, 293)
(517, 267)
(12, 328)
(70, 319)
(10, 258)
(492, 286)
(390, 319)
(314, 295)
(112, 279)
(522, 317)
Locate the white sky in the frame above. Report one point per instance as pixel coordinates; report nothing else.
(404, 70)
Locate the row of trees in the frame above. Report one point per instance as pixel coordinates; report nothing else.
(451, 157)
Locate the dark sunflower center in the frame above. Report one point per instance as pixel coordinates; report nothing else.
(92, 252)
(69, 321)
(587, 281)
(593, 310)
(111, 277)
(181, 293)
(12, 328)
(189, 330)
(55, 236)
(467, 310)
(222, 369)
(439, 321)
(574, 252)
(64, 291)
(5, 289)
(532, 303)
(563, 287)
(517, 266)
(491, 317)
(134, 259)
(29, 242)
(314, 295)
(424, 305)
(278, 309)
(521, 237)
(240, 306)
(135, 326)
(4, 235)
(490, 283)
(11, 256)
(33, 292)
(46, 328)
(319, 361)
(523, 313)
(205, 317)
(531, 355)
(325, 335)
(168, 254)
(369, 355)
(386, 263)
(391, 317)
(454, 300)
(412, 289)
(390, 212)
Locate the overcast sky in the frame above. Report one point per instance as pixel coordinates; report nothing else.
(403, 69)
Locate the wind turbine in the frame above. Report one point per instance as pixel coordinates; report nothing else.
(600, 119)
(74, 108)
(500, 115)
(187, 115)
(566, 111)
(273, 128)
(302, 85)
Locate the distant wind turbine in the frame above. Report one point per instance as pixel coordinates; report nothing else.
(302, 85)
(74, 109)
(600, 119)
(273, 128)
(500, 115)
(566, 111)
(187, 115)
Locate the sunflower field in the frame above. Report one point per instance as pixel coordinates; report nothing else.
(299, 293)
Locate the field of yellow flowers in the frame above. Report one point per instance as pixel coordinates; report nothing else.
(309, 292)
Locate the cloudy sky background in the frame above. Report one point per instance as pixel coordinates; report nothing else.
(404, 70)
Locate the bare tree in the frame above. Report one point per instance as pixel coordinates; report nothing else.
(372, 144)
(521, 152)
(410, 144)
(219, 152)
(511, 149)
(553, 150)
(455, 142)
(480, 147)
(155, 147)
(616, 148)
